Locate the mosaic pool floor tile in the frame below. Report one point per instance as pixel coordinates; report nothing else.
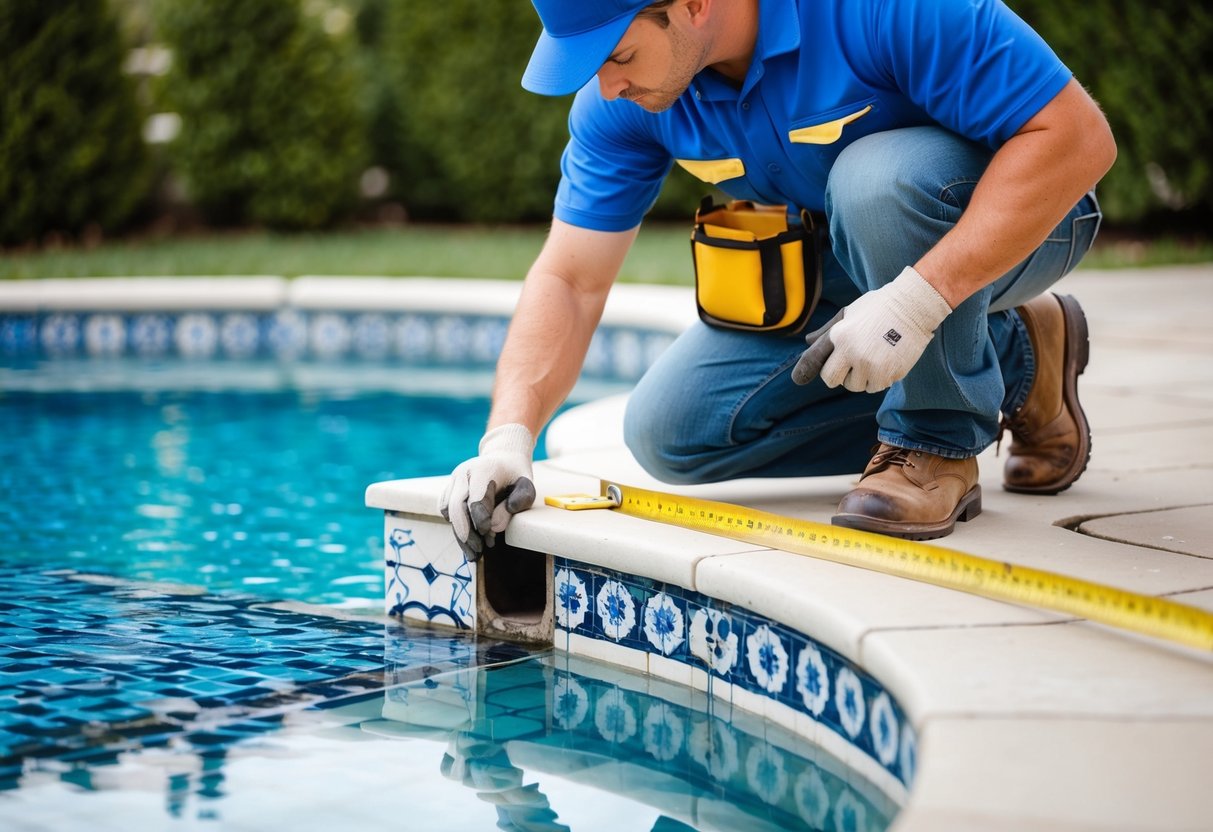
(91, 665)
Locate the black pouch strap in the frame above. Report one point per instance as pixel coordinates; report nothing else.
(813, 233)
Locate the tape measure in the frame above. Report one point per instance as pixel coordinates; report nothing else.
(999, 580)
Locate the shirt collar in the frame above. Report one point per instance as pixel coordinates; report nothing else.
(778, 33)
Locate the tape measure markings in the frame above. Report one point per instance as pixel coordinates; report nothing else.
(998, 580)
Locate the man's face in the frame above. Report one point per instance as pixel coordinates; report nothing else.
(652, 65)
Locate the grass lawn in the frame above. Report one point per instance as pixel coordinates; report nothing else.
(661, 254)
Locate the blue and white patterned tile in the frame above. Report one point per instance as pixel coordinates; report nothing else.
(452, 339)
(329, 335)
(104, 335)
(849, 704)
(619, 604)
(763, 666)
(413, 337)
(616, 608)
(151, 335)
(664, 622)
(812, 682)
(884, 730)
(715, 640)
(571, 604)
(287, 334)
(196, 335)
(907, 753)
(488, 337)
(59, 334)
(372, 336)
(766, 658)
(597, 361)
(18, 335)
(240, 335)
(426, 576)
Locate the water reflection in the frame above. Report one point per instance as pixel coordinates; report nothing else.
(697, 762)
(129, 705)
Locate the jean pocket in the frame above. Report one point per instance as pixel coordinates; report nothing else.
(1082, 235)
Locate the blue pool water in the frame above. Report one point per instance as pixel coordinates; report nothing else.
(155, 674)
(258, 491)
(125, 706)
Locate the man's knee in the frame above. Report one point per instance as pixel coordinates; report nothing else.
(899, 174)
(650, 434)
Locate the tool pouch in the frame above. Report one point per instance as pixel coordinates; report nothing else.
(753, 272)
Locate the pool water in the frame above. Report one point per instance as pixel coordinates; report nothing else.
(129, 706)
(157, 670)
(257, 491)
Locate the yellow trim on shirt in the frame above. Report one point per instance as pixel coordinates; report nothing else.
(827, 133)
(713, 171)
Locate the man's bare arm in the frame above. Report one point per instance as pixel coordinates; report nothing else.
(560, 306)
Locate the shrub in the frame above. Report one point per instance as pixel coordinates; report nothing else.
(1148, 65)
(463, 139)
(71, 153)
(273, 131)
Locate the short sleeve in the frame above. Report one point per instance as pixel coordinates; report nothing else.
(612, 169)
(972, 65)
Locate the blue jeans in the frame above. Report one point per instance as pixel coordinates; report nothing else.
(720, 404)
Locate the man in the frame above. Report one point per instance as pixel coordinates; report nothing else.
(953, 155)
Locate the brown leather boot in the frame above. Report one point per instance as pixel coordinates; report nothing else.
(912, 494)
(1050, 437)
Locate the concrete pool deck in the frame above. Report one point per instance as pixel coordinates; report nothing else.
(1026, 719)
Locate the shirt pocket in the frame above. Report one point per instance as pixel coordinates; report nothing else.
(827, 127)
(713, 171)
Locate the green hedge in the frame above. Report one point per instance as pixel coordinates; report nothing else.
(273, 125)
(461, 137)
(466, 142)
(71, 153)
(1150, 66)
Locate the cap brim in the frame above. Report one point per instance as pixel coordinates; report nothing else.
(560, 66)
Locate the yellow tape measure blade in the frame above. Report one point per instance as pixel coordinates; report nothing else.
(948, 568)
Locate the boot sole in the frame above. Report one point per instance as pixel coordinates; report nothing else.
(1078, 353)
(968, 508)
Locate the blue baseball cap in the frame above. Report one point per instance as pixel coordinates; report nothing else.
(578, 36)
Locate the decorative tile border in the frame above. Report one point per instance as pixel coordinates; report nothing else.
(289, 334)
(740, 651)
(425, 574)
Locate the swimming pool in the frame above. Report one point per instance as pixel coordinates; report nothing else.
(147, 670)
(170, 525)
(258, 491)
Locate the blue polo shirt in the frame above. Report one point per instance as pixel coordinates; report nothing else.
(824, 73)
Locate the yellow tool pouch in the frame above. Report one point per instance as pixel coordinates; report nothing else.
(753, 272)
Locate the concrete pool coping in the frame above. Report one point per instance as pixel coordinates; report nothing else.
(1025, 718)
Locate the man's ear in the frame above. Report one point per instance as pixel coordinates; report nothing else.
(698, 11)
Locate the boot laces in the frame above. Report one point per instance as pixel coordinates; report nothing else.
(889, 456)
(1016, 424)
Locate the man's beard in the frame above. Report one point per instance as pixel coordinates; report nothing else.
(688, 56)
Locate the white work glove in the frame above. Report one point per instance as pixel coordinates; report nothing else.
(485, 491)
(877, 339)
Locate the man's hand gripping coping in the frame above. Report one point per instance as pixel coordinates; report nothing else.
(484, 492)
